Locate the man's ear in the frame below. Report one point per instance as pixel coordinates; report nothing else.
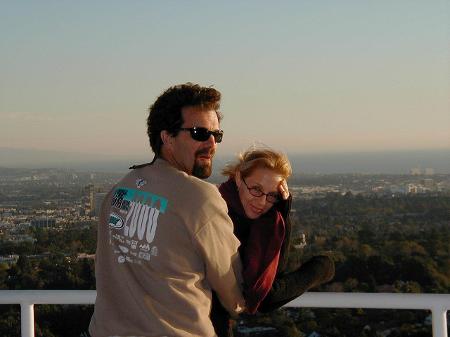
(166, 138)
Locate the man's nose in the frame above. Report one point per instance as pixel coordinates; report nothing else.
(211, 141)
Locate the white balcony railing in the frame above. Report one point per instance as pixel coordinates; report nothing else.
(437, 303)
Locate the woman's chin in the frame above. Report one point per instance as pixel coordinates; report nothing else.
(252, 214)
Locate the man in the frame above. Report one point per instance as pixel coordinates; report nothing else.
(164, 238)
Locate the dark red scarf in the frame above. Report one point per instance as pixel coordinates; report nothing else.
(262, 247)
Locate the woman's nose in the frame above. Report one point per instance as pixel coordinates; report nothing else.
(261, 201)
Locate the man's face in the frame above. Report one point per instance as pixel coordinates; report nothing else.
(191, 156)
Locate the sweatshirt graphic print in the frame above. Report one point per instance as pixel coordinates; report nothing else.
(133, 221)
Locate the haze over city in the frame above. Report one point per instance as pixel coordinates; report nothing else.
(302, 77)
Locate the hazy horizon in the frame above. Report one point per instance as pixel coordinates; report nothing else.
(352, 76)
(384, 162)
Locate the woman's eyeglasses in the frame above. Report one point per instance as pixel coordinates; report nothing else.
(202, 134)
(256, 192)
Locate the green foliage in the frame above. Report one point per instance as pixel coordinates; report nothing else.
(70, 241)
(9, 320)
(62, 320)
(23, 275)
(381, 240)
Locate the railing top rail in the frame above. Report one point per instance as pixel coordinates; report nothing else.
(47, 296)
(372, 300)
(312, 299)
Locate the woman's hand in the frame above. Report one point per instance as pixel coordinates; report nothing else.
(283, 189)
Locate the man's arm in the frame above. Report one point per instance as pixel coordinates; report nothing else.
(219, 249)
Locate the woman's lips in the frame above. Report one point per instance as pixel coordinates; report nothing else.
(256, 209)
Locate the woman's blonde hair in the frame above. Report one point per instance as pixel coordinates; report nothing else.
(254, 158)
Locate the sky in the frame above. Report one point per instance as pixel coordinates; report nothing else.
(299, 76)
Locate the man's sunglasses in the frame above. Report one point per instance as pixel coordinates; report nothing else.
(202, 134)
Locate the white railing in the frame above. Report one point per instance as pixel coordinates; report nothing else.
(28, 298)
(437, 303)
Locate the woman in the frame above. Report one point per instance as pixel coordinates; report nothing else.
(259, 204)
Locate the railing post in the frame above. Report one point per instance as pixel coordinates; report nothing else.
(439, 322)
(27, 319)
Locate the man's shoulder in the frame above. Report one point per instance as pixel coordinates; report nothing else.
(202, 185)
(172, 178)
(199, 192)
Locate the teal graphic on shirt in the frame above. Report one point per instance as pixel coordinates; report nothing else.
(123, 196)
(135, 222)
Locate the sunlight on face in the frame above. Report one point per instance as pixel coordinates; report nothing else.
(191, 156)
(267, 181)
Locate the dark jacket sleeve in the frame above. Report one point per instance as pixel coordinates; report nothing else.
(284, 207)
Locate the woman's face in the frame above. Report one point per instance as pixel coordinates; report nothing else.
(263, 180)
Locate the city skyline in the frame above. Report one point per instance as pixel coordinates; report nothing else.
(300, 77)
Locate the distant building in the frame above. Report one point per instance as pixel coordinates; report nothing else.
(21, 238)
(302, 242)
(89, 190)
(429, 183)
(9, 259)
(429, 172)
(6, 215)
(98, 200)
(23, 225)
(412, 188)
(85, 256)
(43, 222)
(415, 171)
(395, 189)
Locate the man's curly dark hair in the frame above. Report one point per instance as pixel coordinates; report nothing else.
(165, 113)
